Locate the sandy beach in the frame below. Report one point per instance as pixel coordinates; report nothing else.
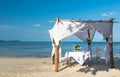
(42, 67)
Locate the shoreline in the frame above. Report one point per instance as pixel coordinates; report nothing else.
(25, 57)
(42, 56)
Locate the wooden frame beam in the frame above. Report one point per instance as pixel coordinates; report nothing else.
(111, 52)
(89, 43)
(111, 56)
(56, 58)
(72, 20)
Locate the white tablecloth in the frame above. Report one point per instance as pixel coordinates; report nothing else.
(80, 57)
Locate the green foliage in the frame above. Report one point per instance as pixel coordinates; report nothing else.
(88, 39)
(77, 47)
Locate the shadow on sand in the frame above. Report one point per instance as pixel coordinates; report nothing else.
(99, 65)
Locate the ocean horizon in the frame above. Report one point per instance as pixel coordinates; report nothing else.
(44, 48)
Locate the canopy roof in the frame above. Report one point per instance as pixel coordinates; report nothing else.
(65, 28)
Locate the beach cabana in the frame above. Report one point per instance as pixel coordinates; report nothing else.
(84, 30)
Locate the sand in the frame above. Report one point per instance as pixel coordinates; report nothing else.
(42, 67)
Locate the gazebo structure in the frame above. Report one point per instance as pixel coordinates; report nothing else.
(84, 30)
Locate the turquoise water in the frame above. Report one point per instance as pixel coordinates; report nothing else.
(42, 49)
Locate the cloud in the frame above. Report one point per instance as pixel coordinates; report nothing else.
(37, 25)
(108, 14)
(104, 14)
(8, 27)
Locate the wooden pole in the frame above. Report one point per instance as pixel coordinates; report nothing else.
(56, 58)
(56, 51)
(111, 46)
(111, 56)
(89, 40)
(53, 59)
(89, 49)
(58, 20)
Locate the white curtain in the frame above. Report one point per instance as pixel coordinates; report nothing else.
(53, 46)
(83, 34)
(105, 28)
(64, 29)
(107, 50)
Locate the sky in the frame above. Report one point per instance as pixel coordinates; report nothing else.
(28, 20)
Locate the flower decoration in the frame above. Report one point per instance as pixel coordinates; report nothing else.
(77, 47)
(88, 39)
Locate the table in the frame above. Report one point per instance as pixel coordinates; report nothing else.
(80, 57)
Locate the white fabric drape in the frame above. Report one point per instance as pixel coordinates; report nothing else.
(53, 46)
(53, 52)
(64, 29)
(107, 50)
(83, 35)
(105, 28)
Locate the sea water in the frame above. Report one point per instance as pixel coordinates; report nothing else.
(43, 49)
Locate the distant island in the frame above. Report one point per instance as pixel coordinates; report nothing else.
(9, 40)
